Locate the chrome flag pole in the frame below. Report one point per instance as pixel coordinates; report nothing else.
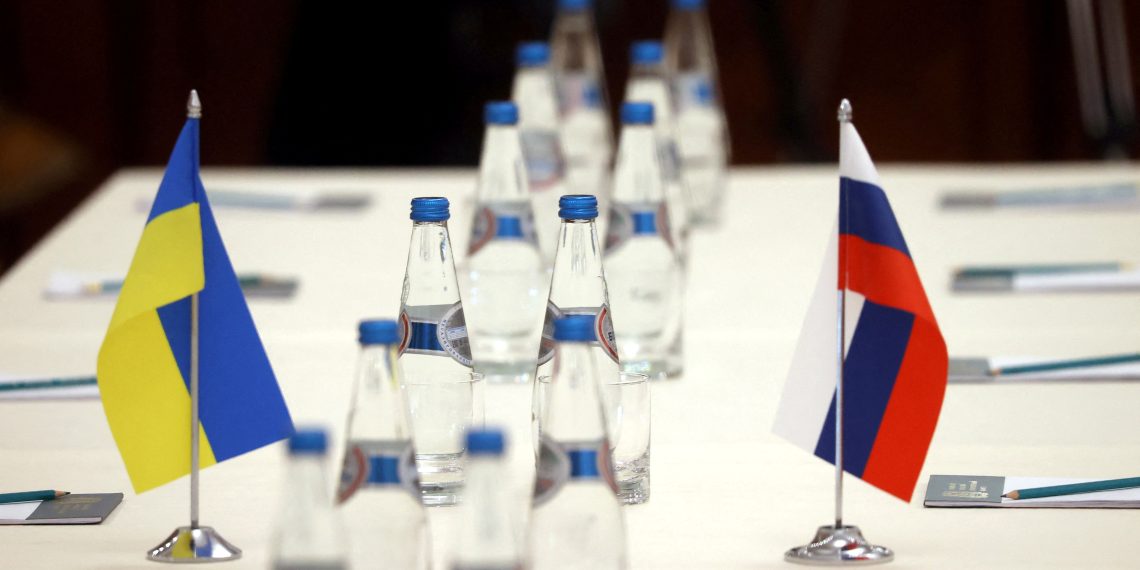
(839, 544)
(194, 543)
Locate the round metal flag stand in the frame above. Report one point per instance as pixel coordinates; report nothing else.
(839, 544)
(194, 544)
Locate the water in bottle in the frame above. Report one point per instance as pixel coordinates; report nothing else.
(648, 83)
(487, 538)
(379, 492)
(643, 270)
(578, 285)
(310, 534)
(576, 519)
(506, 270)
(576, 60)
(702, 131)
(434, 344)
(534, 93)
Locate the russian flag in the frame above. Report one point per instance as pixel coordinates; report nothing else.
(894, 367)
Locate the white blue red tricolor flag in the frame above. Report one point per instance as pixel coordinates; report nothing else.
(895, 363)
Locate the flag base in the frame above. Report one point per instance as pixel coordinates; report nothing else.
(840, 546)
(194, 544)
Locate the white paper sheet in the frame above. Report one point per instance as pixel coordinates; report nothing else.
(18, 511)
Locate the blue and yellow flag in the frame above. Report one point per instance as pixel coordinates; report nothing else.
(144, 363)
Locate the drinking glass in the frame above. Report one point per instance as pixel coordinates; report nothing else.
(443, 407)
(627, 403)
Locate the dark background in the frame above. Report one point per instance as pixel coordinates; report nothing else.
(90, 87)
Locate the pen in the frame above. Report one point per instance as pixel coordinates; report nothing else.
(49, 383)
(974, 272)
(1074, 488)
(1066, 364)
(247, 281)
(26, 496)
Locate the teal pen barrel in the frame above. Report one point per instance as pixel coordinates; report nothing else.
(1075, 488)
(26, 496)
(1068, 364)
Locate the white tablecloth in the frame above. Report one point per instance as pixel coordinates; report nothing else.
(726, 493)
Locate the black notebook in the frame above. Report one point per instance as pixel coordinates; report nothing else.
(68, 509)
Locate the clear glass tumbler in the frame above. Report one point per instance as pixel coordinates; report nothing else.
(442, 409)
(628, 411)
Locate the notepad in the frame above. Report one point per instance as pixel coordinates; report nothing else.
(987, 491)
(70, 509)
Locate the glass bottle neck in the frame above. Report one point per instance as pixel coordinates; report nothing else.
(378, 411)
(487, 539)
(533, 90)
(430, 275)
(305, 482)
(651, 87)
(575, 413)
(574, 43)
(502, 174)
(637, 175)
(578, 262)
(688, 43)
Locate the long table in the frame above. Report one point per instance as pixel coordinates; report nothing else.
(726, 493)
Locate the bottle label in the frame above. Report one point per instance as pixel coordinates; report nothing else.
(546, 342)
(378, 463)
(439, 330)
(693, 89)
(603, 330)
(560, 462)
(578, 91)
(542, 151)
(670, 159)
(626, 222)
(504, 220)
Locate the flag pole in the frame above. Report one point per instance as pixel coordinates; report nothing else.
(194, 418)
(844, 116)
(840, 544)
(194, 111)
(194, 543)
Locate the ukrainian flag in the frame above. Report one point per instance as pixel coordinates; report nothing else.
(144, 363)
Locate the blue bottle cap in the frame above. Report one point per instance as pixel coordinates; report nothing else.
(575, 5)
(430, 210)
(379, 331)
(646, 52)
(636, 113)
(578, 207)
(487, 441)
(574, 328)
(533, 54)
(501, 113)
(688, 5)
(309, 440)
